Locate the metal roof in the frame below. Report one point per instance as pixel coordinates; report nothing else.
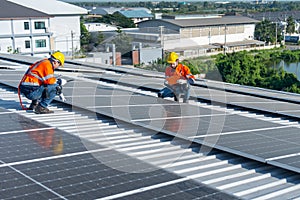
(226, 20)
(275, 16)
(81, 174)
(135, 13)
(52, 7)
(9, 10)
(102, 10)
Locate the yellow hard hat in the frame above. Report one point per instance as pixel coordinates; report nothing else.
(59, 56)
(172, 57)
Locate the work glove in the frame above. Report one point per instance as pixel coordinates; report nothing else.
(62, 97)
(58, 89)
(181, 81)
(61, 81)
(191, 81)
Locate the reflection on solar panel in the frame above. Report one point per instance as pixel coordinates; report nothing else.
(41, 162)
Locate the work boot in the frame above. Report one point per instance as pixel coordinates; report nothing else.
(33, 105)
(41, 110)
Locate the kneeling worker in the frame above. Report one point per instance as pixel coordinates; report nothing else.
(39, 84)
(178, 79)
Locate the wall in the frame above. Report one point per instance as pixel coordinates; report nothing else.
(62, 28)
(13, 36)
(148, 55)
(206, 39)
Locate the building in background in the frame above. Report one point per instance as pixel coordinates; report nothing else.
(23, 30)
(136, 15)
(99, 27)
(194, 36)
(35, 28)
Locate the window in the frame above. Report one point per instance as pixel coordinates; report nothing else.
(27, 44)
(39, 25)
(26, 25)
(40, 43)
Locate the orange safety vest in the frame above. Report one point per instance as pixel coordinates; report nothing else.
(180, 72)
(39, 73)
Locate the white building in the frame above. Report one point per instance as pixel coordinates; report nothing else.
(39, 28)
(96, 26)
(203, 34)
(23, 30)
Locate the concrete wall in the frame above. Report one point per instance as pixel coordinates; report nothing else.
(62, 28)
(148, 55)
(13, 37)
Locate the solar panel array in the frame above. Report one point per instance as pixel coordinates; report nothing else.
(42, 162)
(234, 132)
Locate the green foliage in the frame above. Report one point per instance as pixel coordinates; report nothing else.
(266, 31)
(159, 65)
(257, 69)
(115, 19)
(84, 35)
(290, 28)
(122, 42)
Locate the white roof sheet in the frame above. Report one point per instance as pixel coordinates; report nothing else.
(51, 7)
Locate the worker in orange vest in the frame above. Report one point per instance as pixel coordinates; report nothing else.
(178, 79)
(40, 85)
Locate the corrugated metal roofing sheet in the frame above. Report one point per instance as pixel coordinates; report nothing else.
(135, 13)
(226, 20)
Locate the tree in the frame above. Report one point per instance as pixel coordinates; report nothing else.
(85, 36)
(290, 28)
(255, 70)
(116, 19)
(122, 42)
(266, 31)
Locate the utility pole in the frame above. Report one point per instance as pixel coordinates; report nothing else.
(72, 37)
(225, 35)
(276, 34)
(162, 41)
(161, 36)
(209, 36)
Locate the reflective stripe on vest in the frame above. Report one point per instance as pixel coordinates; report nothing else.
(30, 84)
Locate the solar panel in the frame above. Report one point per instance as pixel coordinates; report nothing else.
(184, 120)
(42, 162)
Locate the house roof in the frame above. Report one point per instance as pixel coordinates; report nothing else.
(275, 16)
(228, 20)
(135, 13)
(112, 10)
(9, 10)
(102, 10)
(52, 7)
